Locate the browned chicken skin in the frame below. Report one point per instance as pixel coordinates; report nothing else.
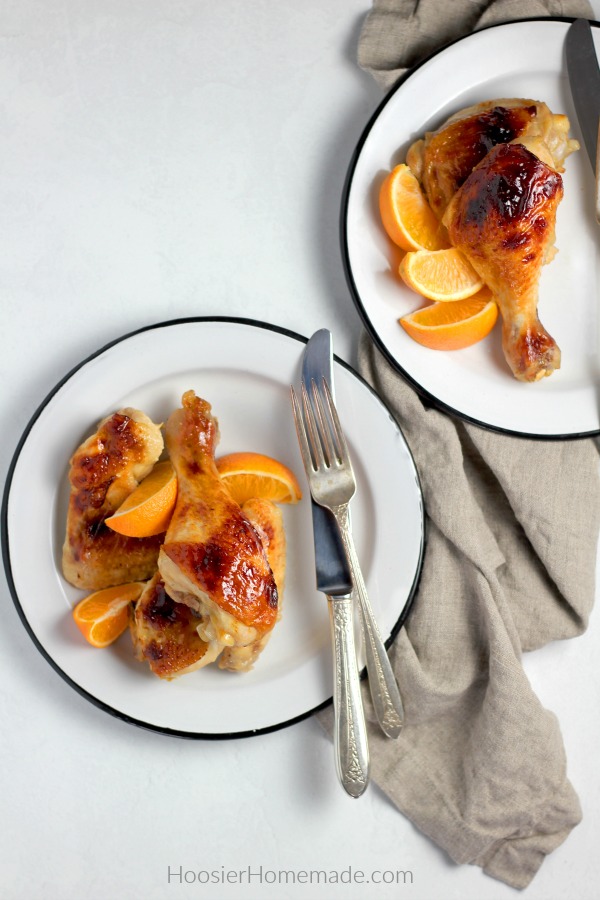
(165, 634)
(104, 470)
(502, 219)
(268, 522)
(491, 174)
(450, 154)
(212, 558)
(444, 159)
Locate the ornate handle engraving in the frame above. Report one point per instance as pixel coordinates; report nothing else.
(382, 682)
(350, 734)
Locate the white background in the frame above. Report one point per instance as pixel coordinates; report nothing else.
(163, 159)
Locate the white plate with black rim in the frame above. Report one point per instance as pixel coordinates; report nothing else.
(519, 59)
(244, 369)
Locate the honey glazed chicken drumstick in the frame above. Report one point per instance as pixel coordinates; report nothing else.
(491, 174)
(502, 218)
(212, 558)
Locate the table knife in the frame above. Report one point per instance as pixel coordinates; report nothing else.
(584, 80)
(334, 580)
(333, 571)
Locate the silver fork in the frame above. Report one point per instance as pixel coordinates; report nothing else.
(332, 485)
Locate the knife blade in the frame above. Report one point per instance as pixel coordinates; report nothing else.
(333, 572)
(584, 80)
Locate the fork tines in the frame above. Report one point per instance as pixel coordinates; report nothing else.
(320, 426)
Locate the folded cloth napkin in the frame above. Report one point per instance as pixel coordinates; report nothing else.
(512, 532)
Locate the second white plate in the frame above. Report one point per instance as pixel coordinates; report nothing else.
(523, 59)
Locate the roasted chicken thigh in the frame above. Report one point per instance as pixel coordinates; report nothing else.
(104, 470)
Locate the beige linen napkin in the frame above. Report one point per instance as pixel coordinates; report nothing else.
(397, 34)
(512, 533)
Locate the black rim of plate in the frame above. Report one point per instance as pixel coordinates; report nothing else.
(192, 735)
(372, 332)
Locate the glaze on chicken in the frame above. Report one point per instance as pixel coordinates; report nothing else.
(165, 633)
(104, 470)
(444, 159)
(502, 219)
(267, 519)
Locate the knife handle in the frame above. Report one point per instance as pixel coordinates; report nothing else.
(350, 730)
(382, 681)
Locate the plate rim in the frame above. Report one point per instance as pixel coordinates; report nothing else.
(5, 542)
(343, 235)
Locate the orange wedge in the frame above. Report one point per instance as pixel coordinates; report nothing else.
(250, 475)
(149, 508)
(103, 616)
(452, 326)
(440, 275)
(406, 215)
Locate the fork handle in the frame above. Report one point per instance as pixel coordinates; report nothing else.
(350, 730)
(382, 682)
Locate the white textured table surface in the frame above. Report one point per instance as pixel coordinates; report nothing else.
(162, 159)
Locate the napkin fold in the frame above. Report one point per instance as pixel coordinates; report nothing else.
(512, 534)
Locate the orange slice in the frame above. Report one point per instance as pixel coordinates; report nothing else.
(440, 275)
(103, 616)
(250, 475)
(149, 508)
(452, 326)
(406, 215)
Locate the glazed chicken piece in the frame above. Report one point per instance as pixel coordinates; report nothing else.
(502, 218)
(444, 159)
(104, 470)
(212, 558)
(491, 174)
(165, 632)
(267, 519)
